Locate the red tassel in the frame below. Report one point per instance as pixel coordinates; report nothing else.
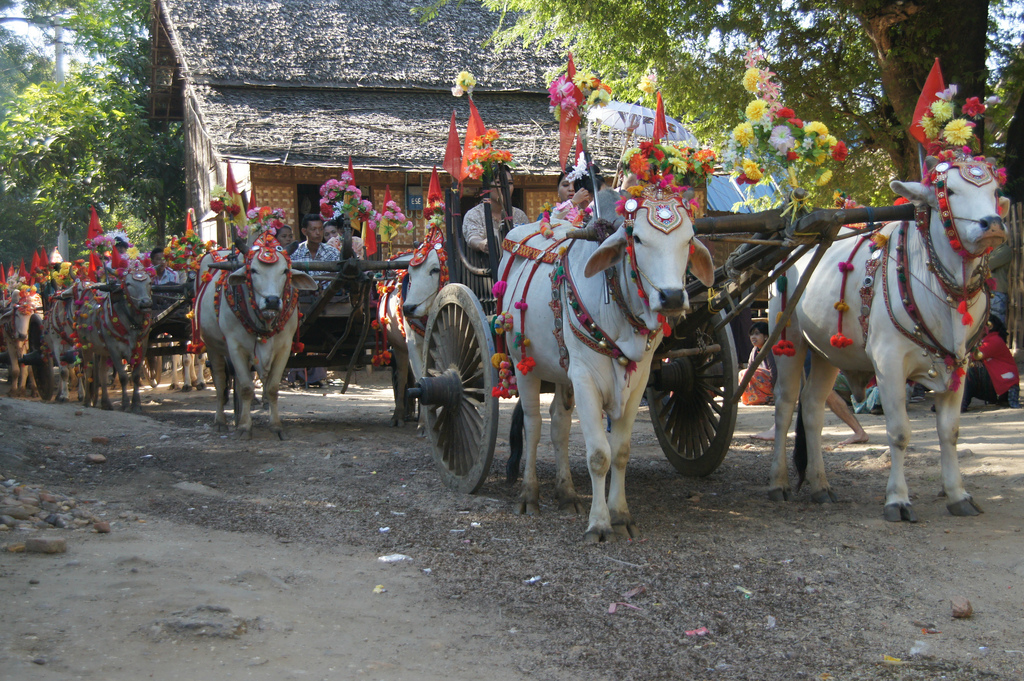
(298, 347)
(840, 341)
(784, 347)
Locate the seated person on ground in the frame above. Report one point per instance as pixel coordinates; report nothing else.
(993, 376)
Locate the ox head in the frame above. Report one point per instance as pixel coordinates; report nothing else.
(428, 272)
(658, 237)
(969, 190)
(267, 271)
(24, 301)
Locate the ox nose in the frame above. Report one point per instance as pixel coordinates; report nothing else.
(409, 309)
(272, 303)
(146, 304)
(673, 298)
(992, 224)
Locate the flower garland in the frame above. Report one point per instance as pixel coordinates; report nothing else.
(944, 131)
(184, 252)
(483, 157)
(391, 220)
(266, 219)
(667, 160)
(772, 139)
(342, 198)
(464, 84)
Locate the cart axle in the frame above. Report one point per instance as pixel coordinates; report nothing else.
(439, 391)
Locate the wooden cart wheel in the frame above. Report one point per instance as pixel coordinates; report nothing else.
(455, 390)
(692, 399)
(42, 371)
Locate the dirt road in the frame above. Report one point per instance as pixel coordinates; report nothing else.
(259, 559)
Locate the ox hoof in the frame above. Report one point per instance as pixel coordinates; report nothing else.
(200, 386)
(282, 434)
(172, 386)
(529, 508)
(780, 494)
(220, 427)
(896, 512)
(397, 422)
(964, 507)
(597, 535)
(186, 388)
(824, 496)
(62, 400)
(106, 406)
(136, 409)
(244, 434)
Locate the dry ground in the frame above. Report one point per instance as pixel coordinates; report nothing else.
(259, 559)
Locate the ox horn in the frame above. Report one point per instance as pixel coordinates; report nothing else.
(930, 162)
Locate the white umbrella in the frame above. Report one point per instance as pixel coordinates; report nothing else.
(636, 120)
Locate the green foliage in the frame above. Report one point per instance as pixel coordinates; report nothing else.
(831, 59)
(88, 141)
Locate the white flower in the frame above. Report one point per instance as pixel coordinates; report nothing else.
(948, 94)
(458, 91)
(782, 139)
(993, 100)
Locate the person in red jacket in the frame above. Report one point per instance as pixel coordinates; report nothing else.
(993, 375)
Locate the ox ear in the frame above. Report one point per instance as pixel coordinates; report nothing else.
(915, 192)
(609, 253)
(701, 264)
(1004, 206)
(237, 278)
(303, 281)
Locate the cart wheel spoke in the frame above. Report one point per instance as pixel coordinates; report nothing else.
(463, 429)
(694, 417)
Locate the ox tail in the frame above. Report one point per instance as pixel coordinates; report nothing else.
(800, 447)
(515, 444)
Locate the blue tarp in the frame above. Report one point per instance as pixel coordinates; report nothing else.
(724, 193)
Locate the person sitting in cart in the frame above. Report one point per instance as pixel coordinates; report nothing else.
(474, 224)
(286, 237)
(163, 274)
(333, 237)
(314, 248)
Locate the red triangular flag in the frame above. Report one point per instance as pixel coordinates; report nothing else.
(252, 198)
(570, 121)
(116, 261)
(351, 171)
(932, 86)
(474, 129)
(95, 266)
(434, 194)
(44, 260)
(230, 186)
(234, 197)
(35, 262)
(189, 229)
(3, 275)
(387, 195)
(453, 153)
(95, 229)
(579, 147)
(21, 270)
(660, 125)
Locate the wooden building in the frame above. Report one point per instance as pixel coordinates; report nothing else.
(289, 90)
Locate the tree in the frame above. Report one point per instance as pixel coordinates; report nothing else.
(88, 141)
(856, 65)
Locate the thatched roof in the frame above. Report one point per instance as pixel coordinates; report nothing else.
(385, 130)
(314, 81)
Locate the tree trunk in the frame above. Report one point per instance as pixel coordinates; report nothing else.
(908, 36)
(1014, 157)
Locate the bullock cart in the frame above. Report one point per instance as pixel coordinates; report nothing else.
(171, 326)
(692, 391)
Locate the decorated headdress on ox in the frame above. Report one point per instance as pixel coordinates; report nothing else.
(432, 243)
(266, 249)
(131, 265)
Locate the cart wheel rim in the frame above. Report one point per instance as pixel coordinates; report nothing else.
(694, 422)
(457, 350)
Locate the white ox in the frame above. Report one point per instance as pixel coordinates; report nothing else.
(248, 317)
(659, 231)
(16, 319)
(929, 346)
(403, 311)
(114, 325)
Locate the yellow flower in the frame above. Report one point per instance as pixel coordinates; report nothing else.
(647, 84)
(751, 170)
(756, 110)
(133, 253)
(829, 141)
(743, 134)
(585, 80)
(931, 126)
(820, 156)
(824, 178)
(599, 97)
(958, 131)
(817, 127)
(465, 80)
(751, 78)
(942, 110)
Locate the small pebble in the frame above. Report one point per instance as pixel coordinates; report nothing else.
(46, 545)
(101, 440)
(103, 527)
(962, 608)
(95, 458)
(33, 581)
